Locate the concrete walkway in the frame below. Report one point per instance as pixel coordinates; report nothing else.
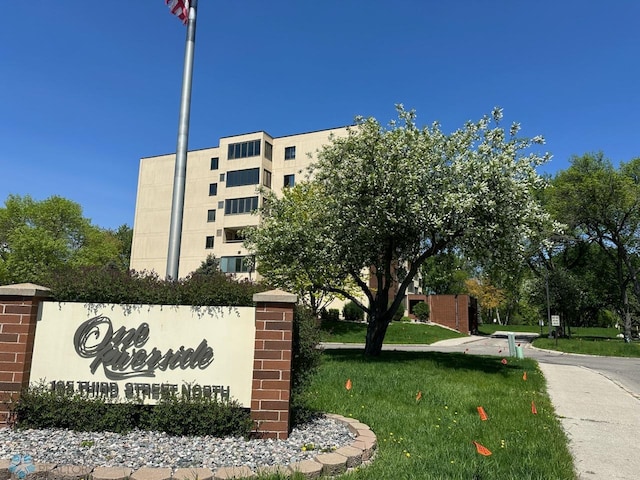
(600, 416)
(601, 420)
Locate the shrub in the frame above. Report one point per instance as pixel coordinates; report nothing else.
(305, 361)
(110, 285)
(40, 407)
(331, 315)
(397, 316)
(181, 415)
(421, 311)
(352, 312)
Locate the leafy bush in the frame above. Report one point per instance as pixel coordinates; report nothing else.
(40, 407)
(331, 315)
(180, 415)
(305, 361)
(352, 312)
(421, 311)
(397, 316)
(110, 285)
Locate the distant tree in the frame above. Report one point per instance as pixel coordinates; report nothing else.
(210, 266)
(38, 237)
(445, 274)
(602, 204)
(490, 298)
(396, 196)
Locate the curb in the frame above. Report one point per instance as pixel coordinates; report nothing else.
(360, 451)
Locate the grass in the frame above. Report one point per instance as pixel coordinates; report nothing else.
(432, 438)
(491, 328)
(591, 346)
(398, 332)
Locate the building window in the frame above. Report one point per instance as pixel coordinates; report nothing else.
(266, 181)
(234, 206)
(268, 150)
(221, 204)
(213, 189)
(289, 153)
(222, 177)
(250, 176)
(235, 264)
(214, 163)
(209, 242)
(289, 180)
(211, 215)
(233, 235)
(244, 149)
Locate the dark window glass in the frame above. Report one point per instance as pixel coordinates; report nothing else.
(249, 176)
(266, 181)
(235, 206)
(209, 242)
(213, 189)
(289, 180)
(289, 153)
(221, 204)
(235, 264)
(211, 215)
(214, 163)
(268, 150)
(244, 149)
(222, 177)
(233, 235)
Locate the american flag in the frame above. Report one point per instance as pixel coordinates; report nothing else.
(180, 8)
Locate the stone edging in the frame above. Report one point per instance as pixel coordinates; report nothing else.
(361, 450)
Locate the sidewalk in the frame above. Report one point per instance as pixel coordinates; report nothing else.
(601, 420)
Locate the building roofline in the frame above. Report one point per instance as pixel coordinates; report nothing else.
(250, 133)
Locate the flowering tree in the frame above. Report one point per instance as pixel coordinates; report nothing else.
(388, 198)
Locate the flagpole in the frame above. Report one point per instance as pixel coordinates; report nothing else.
(180, 173)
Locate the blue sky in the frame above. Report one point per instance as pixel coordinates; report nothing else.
(87, 88)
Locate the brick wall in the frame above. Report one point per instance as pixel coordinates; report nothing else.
(18, 315)
(271, 388)
(450, 311)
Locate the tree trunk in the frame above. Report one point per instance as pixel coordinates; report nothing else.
(376, 331)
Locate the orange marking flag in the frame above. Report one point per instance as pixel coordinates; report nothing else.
(482, 413)
(348, 384)
(418, 396)
(524, 376)
(482, 450)
(534, 410)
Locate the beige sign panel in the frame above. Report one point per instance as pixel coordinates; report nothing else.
(144, 351)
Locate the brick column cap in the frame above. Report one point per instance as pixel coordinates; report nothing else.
(275, 296)
(24, 290)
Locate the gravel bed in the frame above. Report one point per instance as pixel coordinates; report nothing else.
(153, 449)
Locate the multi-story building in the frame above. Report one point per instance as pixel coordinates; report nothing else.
(222, 190)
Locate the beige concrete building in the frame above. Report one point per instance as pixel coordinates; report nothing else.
(221, 192)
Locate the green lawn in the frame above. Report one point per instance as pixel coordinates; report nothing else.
(591, 346)
(398, 332)
(491, 328)
(432, 438)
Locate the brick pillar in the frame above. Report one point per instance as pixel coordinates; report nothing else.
(271, 387)
(18, 315)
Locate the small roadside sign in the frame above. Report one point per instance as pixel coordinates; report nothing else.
(555, 320)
